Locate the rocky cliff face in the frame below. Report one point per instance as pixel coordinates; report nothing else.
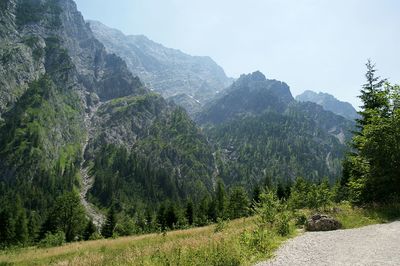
(167, 71)
(329, 103)
(62, 93)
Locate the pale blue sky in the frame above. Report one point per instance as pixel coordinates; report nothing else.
(320, 45)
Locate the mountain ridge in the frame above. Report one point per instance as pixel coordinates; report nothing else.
(260, 131)
(329, 103)
(166, 70)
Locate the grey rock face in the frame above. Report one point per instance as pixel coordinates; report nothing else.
(167, 71)
(329, 103)
(321, 222)
(24, 46)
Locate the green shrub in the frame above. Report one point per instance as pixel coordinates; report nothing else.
(220, 226)
(300, 219)
(52, 240)
(258, 240)
(268, 208)
(282, 224)
(95, 236)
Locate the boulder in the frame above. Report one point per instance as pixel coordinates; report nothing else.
(322, 222)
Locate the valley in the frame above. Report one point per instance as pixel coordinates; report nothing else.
(116, 150)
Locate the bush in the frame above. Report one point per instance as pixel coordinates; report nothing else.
(268, 208)
(95, 236)
(304, 194)
(220, 226)
(300, 219)
(282, 225)
(258, 240)
(52, 240)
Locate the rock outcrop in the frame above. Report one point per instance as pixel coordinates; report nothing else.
(322, 222)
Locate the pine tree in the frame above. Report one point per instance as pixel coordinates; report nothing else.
(372, 171)
(33, 226)
(171, 217)
(238, 205)
(161, 217)
(373, 96)
(221, 199)
(89, 230)
(7, 228)
(21, 228)
(68, 216)
(108, 228)
(189, 212)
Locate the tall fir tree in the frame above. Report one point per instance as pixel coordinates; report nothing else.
(221, 199)
(108, 228)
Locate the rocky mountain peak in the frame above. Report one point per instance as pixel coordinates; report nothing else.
(167, 71)
(329, 103)
(255, 76)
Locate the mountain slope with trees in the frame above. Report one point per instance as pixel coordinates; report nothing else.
(48, 112)
(261, 133)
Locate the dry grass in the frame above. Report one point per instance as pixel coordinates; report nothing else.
(235, 244)
(182, 247)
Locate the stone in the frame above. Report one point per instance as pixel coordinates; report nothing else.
(322, 222)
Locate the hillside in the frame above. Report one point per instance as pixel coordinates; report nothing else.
(69, 108)
(167, 71)
(329, 103)
(261, 133)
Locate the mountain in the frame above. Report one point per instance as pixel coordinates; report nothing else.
(74, 118)
(80, 134)
(329, 103)
(261, 132)
(174, 74)
(249, 95)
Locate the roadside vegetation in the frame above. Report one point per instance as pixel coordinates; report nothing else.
(242, 241)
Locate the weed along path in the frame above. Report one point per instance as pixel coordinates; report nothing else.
(371, 245)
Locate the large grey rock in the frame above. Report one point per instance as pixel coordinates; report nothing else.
(321, 222)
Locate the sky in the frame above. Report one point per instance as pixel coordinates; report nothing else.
(319, 45)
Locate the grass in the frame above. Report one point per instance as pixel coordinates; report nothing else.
(197, 246)
(353, 217)
(237, 242)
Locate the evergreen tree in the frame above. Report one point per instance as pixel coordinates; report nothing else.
(21, 227)
(221, 199)
(7, 228)
(68, 216)
(171, 217)
(373, 96)
(256, 196)
(89, 230)
(189, 212)
(238, 205)
(33, 226)
(212, 212)
(372, 171)
(202, 213)
(161, 216)
(108, 228)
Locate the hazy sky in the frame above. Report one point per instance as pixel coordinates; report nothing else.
(320, 45)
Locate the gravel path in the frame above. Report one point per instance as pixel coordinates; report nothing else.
(370, 245)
